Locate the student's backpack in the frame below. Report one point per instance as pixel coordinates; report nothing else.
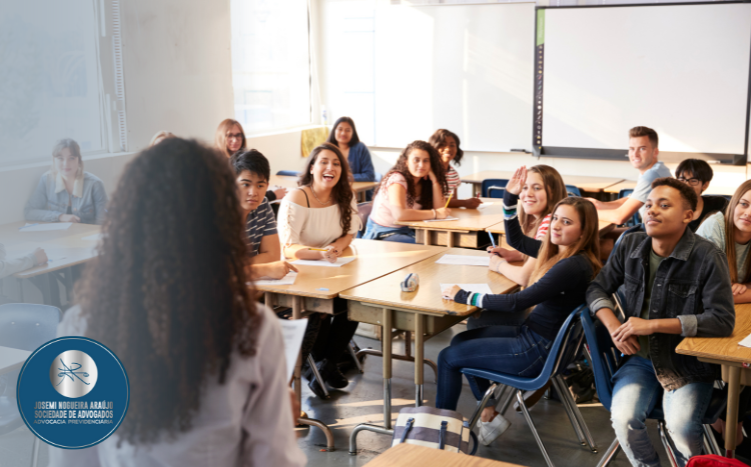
(713, 460)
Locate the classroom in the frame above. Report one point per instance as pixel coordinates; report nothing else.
(375, 232)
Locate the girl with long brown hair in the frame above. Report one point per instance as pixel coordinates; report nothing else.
(318, 222)
(447, 144)
(565, 264)
(413, 190)
(731, 232)
(168, 295)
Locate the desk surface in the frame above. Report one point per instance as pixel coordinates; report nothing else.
(375, 258)
(427, 298)
(411, 455)
(582, 181)
(501, 229)
(723, 348)
(12, 359)
(291, 182)
(469, 219)
(64, 248)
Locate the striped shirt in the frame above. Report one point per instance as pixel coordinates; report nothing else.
(543, 228)
(452, 179)
(259, 224)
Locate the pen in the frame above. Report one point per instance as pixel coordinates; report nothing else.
(492, 240)
(449, 200)
(318, 249)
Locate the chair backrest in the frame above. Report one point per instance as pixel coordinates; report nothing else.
(363, 210)
(573, 190)
(604, 357)
(493, 187)
(288, 173)
(26, 326)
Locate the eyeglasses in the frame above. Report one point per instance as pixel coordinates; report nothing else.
(690, 181)
(235, 135)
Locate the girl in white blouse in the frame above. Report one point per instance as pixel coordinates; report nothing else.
(317, 222)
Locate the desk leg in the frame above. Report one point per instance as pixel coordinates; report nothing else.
(426, 238)
(386, 343)
(731, 420)
(449, 239)
(419, 357)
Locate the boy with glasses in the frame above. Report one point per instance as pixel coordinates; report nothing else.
(697, 174)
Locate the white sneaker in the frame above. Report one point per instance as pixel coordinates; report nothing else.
(491, 430)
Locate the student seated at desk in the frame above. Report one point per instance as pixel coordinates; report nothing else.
(697, 174)
(11, 266)
(66, 193)
(411, 191)
(230, 138)
(567, 261)
(318, 222)
(344, 136)
(209, 384)
(447, 145)
(676, 284)
(252, 172)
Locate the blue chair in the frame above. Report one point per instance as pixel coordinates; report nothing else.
(493, 187)
(363, 210)
(636, 218)
(288, 173)
(606, 359)
(24, 326)
(573, 190)
(562, 352)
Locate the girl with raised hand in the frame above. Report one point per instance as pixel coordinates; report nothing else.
(447, 145)
(317, 222)
(344, 136)
(567, 262)
(413, 190)
(66, 193)
(208, 384)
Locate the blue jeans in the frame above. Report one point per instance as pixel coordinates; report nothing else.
(374, 231)
(636, 391)
(515, 350)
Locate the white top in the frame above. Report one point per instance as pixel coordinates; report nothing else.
(713, 229)
(314, 227)
(383, 209)
(12, 266)
(249, 413)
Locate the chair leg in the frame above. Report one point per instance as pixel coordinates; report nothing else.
(35, 452)
(566, 396)
(317, 375)
(507, 403)
(709, 439)
(610, 453)
(525, 411)
(562, 393)
(481, 405)
(352, 353)
(666, 443)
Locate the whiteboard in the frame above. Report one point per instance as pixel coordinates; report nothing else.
(466, 68)
(680, 69)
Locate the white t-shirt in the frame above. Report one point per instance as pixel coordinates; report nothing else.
(249, 412)
(314, 227)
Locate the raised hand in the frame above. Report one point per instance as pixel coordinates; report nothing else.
(515, 185)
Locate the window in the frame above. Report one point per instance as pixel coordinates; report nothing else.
(270, 64)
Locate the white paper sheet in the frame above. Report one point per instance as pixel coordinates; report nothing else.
(441, 220)
(289, 279)
(293, 331)
(474, 288)
(460, 260)
(485, 204)
(45, 227)
(746, 342)
(323, 263)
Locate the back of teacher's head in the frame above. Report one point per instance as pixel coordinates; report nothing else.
(167, 292)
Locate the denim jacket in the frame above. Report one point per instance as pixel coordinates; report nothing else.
(692, 284)
(50, 199)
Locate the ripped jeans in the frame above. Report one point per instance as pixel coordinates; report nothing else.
(515, 350)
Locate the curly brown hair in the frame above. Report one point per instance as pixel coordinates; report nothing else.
(426, 197)
(438, 140)
(342, 191)
(167, 291)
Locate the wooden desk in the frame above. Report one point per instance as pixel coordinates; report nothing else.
(582, 181)
(12, 359)
(500, 230)
(422, 312)
(622, 185)
(412, 455)
(291, 182)
(317, 287)
(462, 232)
(735, 361)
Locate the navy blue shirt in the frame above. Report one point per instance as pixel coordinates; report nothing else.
(258, 224)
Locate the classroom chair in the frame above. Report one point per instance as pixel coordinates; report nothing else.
(24, 326)
(573, 190)
(288, 173)
(605, 358)
(493, 187)
(562, 352)
(363, 210)
(636, 218)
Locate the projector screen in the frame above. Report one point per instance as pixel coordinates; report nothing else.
(466, 68)
(680, 69)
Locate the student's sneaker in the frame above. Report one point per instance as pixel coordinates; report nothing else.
(491, 430)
